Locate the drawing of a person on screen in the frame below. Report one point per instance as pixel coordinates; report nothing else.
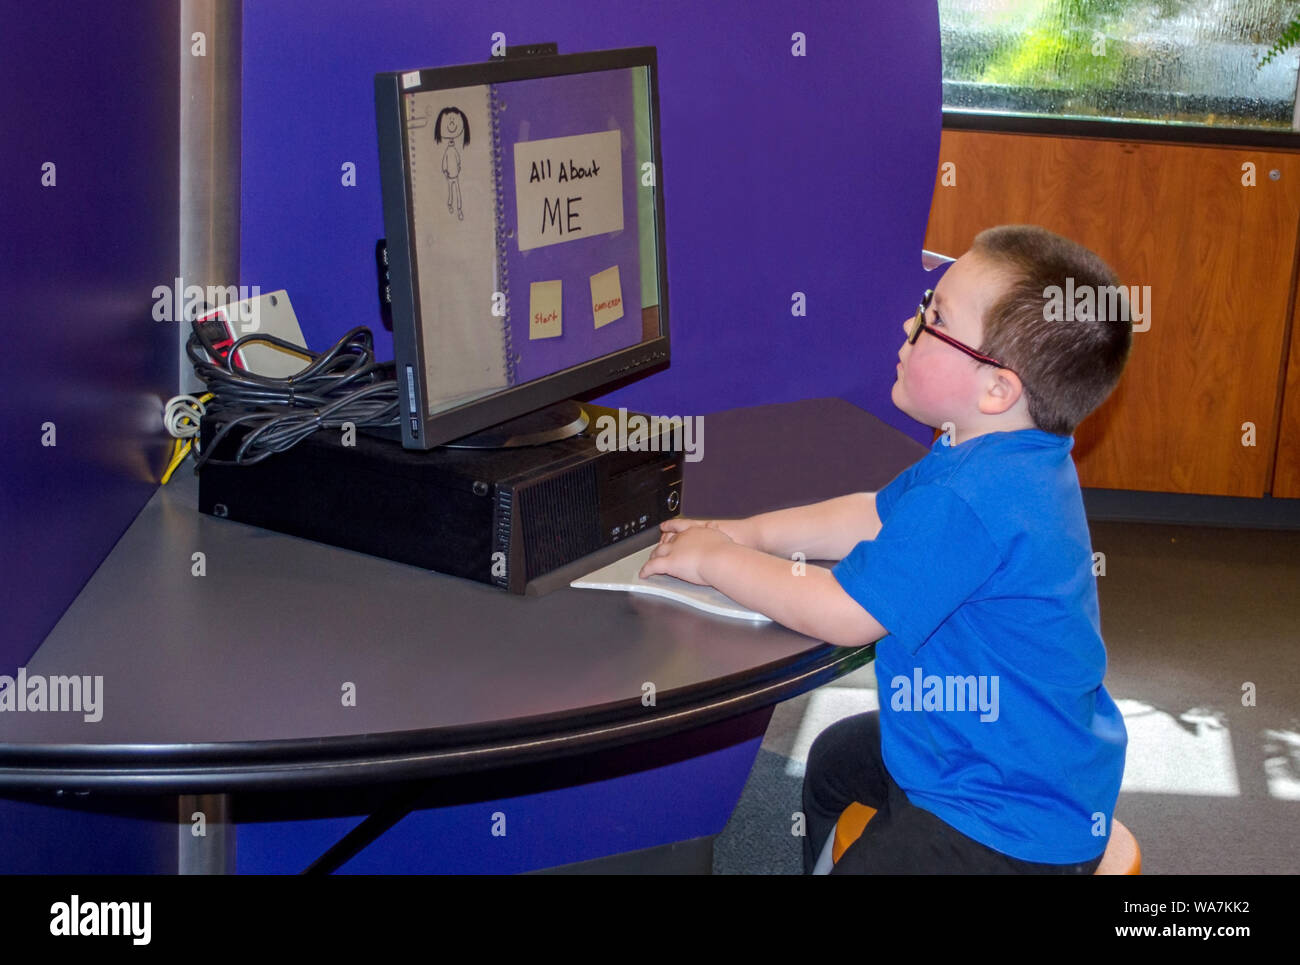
(452, 124)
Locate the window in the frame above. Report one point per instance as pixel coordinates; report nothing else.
(1168, 61)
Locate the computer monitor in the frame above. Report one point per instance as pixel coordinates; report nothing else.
(524, 214)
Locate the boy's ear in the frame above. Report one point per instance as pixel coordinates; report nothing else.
(1001, 393)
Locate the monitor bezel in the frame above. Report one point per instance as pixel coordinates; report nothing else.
(420, 428)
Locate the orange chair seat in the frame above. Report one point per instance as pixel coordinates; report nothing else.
(1122, 857)
(852, 822)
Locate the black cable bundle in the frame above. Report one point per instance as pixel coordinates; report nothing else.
(344, 384)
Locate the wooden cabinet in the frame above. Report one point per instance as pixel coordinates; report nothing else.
(1286, 473)
(1218, 257)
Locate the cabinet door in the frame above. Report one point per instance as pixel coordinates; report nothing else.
(1196, 410)
(1286, 475)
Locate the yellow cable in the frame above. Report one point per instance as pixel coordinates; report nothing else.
(181, 449)
(177, 458)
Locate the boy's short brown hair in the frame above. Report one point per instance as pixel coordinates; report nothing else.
(1067, 367)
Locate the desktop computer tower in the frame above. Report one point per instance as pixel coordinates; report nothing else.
(498, 516)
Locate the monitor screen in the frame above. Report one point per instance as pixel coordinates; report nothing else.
(524, 233)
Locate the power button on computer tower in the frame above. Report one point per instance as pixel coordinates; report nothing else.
(674, 500)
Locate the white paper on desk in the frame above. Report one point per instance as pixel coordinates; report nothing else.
(622, 575)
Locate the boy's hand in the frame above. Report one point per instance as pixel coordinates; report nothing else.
(682, 553)
(742, 531)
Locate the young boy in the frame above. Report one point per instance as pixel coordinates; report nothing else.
(996, 748)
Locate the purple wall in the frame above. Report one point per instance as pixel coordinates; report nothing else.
(543, 830)
(42, 839)
(781, 174)
(91, 88)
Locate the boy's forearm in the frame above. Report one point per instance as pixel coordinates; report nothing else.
(821, 531)
(809, 600)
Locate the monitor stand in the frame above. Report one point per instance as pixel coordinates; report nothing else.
(558, 421)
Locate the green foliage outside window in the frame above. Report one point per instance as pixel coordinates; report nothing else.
(1290, 37)
(1191, 61)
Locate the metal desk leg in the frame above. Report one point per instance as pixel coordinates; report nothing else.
(206, 837)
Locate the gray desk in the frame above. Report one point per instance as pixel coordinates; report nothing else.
(234, 680)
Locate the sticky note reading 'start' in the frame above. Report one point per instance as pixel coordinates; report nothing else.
(606, 296)
(545, 299)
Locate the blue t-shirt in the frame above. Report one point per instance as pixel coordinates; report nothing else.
(992, 711)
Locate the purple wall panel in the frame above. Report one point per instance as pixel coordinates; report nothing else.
(782, 174)
(42, 839)
(92, 89)
(642, 810)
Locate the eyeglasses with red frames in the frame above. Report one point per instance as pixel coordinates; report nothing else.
(919, 326)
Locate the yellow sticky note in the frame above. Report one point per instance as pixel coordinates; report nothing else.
(545, 299)
(606, 296)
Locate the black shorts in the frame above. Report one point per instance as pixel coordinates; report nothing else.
(845, 765)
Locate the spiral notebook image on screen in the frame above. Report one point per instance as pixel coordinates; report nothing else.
(453, 163)
(622, 575)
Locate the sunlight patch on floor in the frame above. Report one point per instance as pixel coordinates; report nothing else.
(1187, 754)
